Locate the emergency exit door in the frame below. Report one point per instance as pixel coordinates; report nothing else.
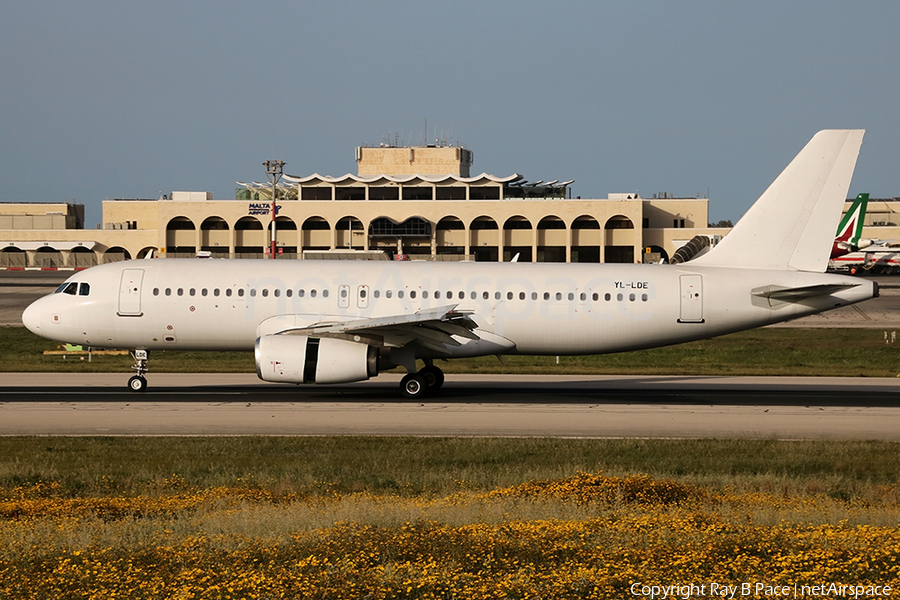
(691, 299)
(130, 293)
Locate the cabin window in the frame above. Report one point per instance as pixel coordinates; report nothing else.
(156, 291)
(412, 293)
(168, 291)
(241, 292)
(425, 294)
(521, 295)
(325, 293)
(84, 289)
(377, 293)
(265, 292)
(485, 295)
(595, 297)
(437, 295)
(546, 295)
(619, 297)
(534, 295)
(277, 293)
(388, 294)
(216, 292)
(203, 292)
(313, 292)
(301, 293)
(643, 297)
(572, 296)
(558, 296)
(228, 292)
(180, 291)
(509, 295)
(583, 296)
(192, 292)
(462, 295)
(343, 292)
(253, 293)
(400, 294)
(607, 297)
(631, 297)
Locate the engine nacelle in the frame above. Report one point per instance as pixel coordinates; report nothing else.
(301, 359)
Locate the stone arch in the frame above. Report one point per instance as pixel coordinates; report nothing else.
(620, 240)
(484, 239)
(249, 238)
(315, 234)
(14, 258)
(81, 257)
(350, 233)
(286, 236)
(552, 239)
(48, 258)
(450, 236)
(587, 239)
(116, 254)
(215, 236)
(518, 239)
(181, 237)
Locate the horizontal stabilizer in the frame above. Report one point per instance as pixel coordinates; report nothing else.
(785, 294)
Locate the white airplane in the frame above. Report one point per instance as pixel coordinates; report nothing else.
(342, 321)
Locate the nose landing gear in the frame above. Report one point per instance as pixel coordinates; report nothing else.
(138, 383)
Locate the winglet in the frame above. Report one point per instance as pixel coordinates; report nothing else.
(792, 225)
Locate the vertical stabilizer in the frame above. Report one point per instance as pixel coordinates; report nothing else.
(792, 225)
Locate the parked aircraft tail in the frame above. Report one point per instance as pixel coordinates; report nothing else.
(791, 226)
(849, 233)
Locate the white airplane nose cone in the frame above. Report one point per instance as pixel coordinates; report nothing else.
(31, 318)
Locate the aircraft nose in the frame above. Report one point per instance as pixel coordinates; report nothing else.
(31, 318)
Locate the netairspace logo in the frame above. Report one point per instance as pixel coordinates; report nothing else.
(686, 591)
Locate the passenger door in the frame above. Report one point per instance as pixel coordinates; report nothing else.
(130, 293)
(691, 299)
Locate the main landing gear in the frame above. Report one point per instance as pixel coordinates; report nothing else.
(416, 386)
(138, 383)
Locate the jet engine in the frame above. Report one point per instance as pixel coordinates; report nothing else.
(301, 359)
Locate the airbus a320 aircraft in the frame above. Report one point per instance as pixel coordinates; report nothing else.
(343, 321)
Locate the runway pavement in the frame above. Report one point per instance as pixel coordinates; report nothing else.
(555, 406)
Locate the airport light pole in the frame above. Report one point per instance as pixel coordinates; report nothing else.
(274, 170)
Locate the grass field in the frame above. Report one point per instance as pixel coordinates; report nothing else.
(440, 517)
(774, 351)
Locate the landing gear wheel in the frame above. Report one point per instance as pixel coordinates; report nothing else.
(434, 377)
(137, 383)
(413, 386)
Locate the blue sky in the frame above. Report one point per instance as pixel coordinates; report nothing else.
(129, 100)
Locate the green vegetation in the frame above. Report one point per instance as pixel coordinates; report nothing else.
(430, 466)
(772, 351)
(430, 518)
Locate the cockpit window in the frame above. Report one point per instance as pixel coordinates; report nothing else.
(84, 289)
(61, 287)
(71, 288)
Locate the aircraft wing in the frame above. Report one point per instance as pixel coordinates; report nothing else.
(433, 328)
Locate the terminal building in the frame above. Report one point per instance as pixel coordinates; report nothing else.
(415, 203)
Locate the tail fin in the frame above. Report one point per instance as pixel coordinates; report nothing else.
(791, 226)
(849, 232)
